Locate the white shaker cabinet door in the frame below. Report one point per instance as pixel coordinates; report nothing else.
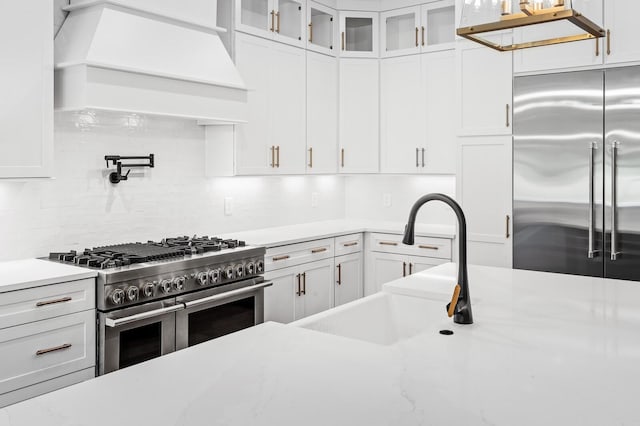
(279, 299)
(621, 21)
(348, 278)
(316, 282)
(26, 88)
(383, 268)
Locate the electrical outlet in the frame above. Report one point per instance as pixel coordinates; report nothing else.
(315, 197)
(386, 200)
(228, 206)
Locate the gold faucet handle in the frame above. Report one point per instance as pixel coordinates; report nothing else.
(454, 301)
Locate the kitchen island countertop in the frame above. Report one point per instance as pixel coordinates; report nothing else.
(545, 349)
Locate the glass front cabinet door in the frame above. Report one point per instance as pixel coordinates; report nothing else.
(281, 20)
(321, 28)
(359, 34)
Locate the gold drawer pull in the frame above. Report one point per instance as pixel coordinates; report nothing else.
(351, 244)
(388, 243)
(53, 302)
(319, 250)
(56, 349)
(430, 247)
(279, 258)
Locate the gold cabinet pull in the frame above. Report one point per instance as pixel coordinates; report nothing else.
(278, 20)
(342, 40)
(429, 247)
(278, 156)
(311, 32)
(53, 302)
(410, 268)
(273, 20)
(319, 250)
(423, 42)
(56, 349)
(298, 292)
(423, 151)
(351, 244)
(304, 283)
(388, 243)
(417, 154)
(508, 230)
(311, 158)
(339, 281)
(597, 47)
(404, 269)
(608, 42)
(507, 108)
(273, 157)
(279, 258)
(342, 157)
(417, 36)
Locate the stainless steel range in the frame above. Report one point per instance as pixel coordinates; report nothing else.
(158, 297)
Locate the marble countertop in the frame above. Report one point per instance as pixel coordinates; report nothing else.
(278, 236)
(22, 274)
(545, 349)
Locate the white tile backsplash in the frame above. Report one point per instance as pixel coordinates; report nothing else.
(79, 208)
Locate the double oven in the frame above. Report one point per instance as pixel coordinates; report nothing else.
(134, 334)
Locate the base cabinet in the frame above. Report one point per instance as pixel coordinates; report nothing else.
(386, 267)
(348, 280)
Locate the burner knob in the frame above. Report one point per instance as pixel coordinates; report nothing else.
(228, 273)
(178, 283)
(240, 271)
(165, 286)
(214, 276)
(147, 290)
(132, 294)
(250, 268)
(117, 297)
(259, 266)
(202, 278)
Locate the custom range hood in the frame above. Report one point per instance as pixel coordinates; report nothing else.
(158, 57)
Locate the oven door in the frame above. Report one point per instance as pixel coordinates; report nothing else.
(137, 334)
(219, 311)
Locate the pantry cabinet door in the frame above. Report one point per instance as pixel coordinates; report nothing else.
(359, 116)
(622, 22)
(402, 114)
(348, 278)
(287, 107)
(279, 299)
(26, 90)
(322, 113)
(254, 141)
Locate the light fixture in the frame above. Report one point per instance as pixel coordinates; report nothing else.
(482, 18)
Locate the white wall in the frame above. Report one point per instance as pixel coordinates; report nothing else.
(365, 197)
(80, 208)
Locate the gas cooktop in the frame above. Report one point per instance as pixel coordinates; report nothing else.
(120, 255)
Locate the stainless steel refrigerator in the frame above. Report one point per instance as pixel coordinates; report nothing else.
(576, 181)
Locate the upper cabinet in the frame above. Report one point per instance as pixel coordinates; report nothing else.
(322, 28)
(621, 44)
(418, 29)
(281, 20)
(26, 109)
(359, 34)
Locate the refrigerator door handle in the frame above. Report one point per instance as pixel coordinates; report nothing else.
(614, 200)
(592, 253)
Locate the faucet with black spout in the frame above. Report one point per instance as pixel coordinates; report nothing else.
(460, 306)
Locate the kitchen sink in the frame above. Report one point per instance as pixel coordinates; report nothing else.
(382, 318)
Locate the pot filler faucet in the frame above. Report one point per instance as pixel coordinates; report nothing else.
(460, 306)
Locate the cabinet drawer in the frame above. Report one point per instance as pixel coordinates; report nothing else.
(43, 350)
(39, 303)
(348, 244)
(32, 391)
(297, 254)
(424, 246)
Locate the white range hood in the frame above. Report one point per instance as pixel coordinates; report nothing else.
(120, 55)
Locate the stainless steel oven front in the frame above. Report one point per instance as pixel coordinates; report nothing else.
(133, 335)
(219, 311)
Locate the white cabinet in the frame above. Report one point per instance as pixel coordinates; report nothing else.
(359, 34)
(280, 20)
(418, 29)
(484, 89)
(322, 113)
(567, 55)
(620, 19)
(272, 142)
(359, 116)
(299, 291)
(322, 28)
(26, 109)
(485, 193)
(418, 114)
(385, 267)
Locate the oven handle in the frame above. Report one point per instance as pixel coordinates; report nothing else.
(227, 295)
(110, 322)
